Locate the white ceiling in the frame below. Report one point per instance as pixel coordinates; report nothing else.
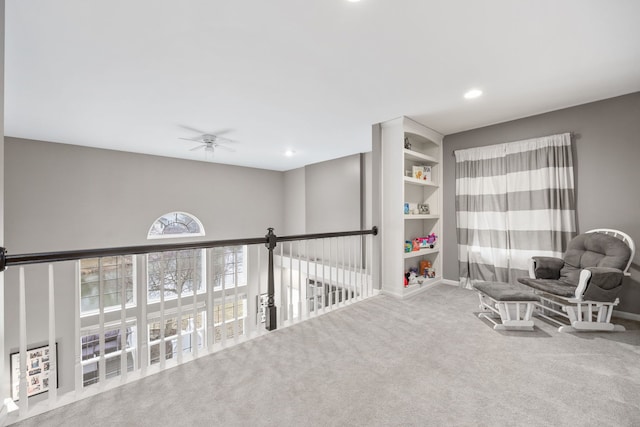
(311, 76)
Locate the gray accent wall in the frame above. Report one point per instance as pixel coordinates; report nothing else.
(333, 196)
(61, 197)
(326, 196)
(606, 147)
(294, 202)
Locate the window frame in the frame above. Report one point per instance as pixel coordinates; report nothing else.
(151, 236)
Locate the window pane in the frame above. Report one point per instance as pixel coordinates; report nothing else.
(114, 273)
(174, 272)
(228, 310)
(171, 339)
(228, 267)
(229, 327)
(114, 344)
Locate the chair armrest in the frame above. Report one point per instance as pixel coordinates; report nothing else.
(605, 277)
(546, 267)
(599, 284)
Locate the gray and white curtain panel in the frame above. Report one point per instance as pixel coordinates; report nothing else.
(513, 201)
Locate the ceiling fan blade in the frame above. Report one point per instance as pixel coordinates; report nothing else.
(225, 140)
(222, 147)
(199, 147)
(198, 131)
(192, 139)
(221, 132)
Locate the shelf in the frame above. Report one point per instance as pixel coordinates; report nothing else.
(414, 155)
(414, 181)
(419, 287)
(411, 216)
(415, 254)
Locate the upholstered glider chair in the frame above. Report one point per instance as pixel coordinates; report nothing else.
(584, 286)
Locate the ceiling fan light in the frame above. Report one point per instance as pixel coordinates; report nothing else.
(473, 93)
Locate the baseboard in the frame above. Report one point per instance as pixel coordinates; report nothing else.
(416, 289)
(626, 315)
(450, 282)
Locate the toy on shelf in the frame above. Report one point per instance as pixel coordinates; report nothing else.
(411, 277)
(426, 269)
(425, 265)
(431, 239)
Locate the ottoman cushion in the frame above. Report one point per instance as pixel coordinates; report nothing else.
(505, 292)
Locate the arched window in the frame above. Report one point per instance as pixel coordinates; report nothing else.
(175, 224)
(175, 273)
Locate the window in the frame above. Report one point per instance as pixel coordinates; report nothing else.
(174, 273)
(114, 273)
(175, 224)
(229, 267)
(114, 344)
(229, 318)
(169, 337)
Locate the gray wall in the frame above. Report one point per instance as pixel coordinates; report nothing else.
(325, 196)
(61, 196)
(606, 154)
(332, 191)
(294, 202)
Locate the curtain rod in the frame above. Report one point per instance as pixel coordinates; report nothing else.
(574, 136)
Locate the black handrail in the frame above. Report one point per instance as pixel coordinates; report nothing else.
(8, 260)
(270, 241)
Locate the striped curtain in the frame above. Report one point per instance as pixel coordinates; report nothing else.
(513, 201)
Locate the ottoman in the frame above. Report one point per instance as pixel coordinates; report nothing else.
(514, 306)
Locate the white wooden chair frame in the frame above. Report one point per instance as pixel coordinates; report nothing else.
(581, 315)
(514, 315)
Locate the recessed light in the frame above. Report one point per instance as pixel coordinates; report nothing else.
(289, 153)
(473, 93)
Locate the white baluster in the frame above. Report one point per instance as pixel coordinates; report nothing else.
(179, 290)
(162, 345)
(210, 299)
(78, 338)
(144, 326)
(123, 318)
(22, 394)
(194, 332)
(325, 294)
(370, 263)
(290, 293)
(223, 330)
(315, 277)
(53, 356)
(102, 368)
(236, 296)
(283, 288)
(299, 258)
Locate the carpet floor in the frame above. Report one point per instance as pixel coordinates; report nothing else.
(423, 361)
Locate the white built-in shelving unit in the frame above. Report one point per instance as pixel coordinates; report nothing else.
(397, 187)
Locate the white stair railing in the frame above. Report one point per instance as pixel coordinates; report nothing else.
(136, 336)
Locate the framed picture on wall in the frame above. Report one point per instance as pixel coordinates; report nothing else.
(37, 368)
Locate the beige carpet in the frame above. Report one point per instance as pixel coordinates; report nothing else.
(425, 361)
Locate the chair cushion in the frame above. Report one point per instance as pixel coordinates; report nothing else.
(593, 250)
(556, 287)
(505, 292)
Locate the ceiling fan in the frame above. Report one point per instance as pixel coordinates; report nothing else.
(210, 141)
